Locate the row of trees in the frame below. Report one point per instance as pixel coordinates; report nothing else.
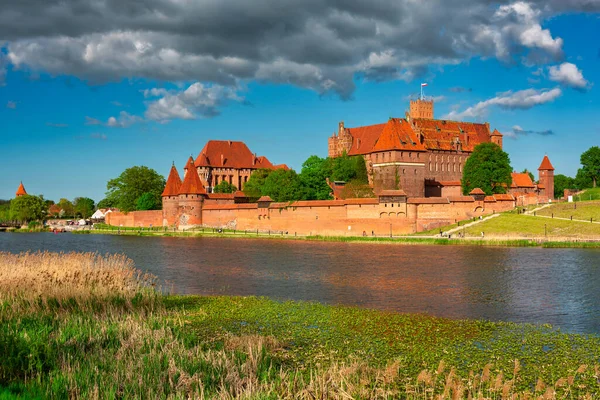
(137, 188)
(311, 183)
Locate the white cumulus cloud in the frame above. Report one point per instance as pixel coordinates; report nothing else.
(569, 75)
(198, 100)
(522, 99)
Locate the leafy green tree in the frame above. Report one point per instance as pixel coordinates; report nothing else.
(346, 168)
(84, 207)
(562, 182)
(254, 187)
(68, 209)
(590, 162)
(148, 201)
(582, 180)
(106, 203)
(487, 168)
(5, 210)
(125, 190)
(315, 172)
(282, 185)
(224, 187)
(27, 208)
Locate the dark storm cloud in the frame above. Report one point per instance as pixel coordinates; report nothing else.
(317, 44)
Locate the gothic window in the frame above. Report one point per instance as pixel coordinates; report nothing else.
(436, 166)
(430, 166)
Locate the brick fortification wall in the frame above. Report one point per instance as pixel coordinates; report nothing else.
(135, 218)
(334, 217)
(351, 217)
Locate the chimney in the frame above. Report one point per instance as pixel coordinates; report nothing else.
(357, 143)
(341, 128)
(222, 158)
(465, 139)
(229, 141)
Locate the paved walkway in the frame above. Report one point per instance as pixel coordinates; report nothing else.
(459, 228)
(537, 209)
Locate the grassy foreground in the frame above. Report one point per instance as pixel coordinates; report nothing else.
(88, 326)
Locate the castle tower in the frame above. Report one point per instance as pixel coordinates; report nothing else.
(170, 197)
(496, 138)
(191, 198)
(546, 175)
(421, 109)
(21, 191)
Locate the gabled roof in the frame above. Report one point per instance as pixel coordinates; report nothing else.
(364, 138)
(476, 191)
(392, 193)
(191, 182)
(546, 165)
(265, 198)
(521, 180)
(398, 134)
(441, 134)
(21, 190)
(230, 154)
(173, 183)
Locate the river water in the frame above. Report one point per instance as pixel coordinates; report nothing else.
(556, 286)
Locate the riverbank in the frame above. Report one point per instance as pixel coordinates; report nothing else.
(99, 328)
(489, 240)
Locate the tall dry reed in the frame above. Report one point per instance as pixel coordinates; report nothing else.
(35, 278)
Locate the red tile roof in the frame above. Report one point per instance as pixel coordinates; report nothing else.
(521, 180)
(21, 190)
(230, 154)
(191, 182)
(441, 134)
(364, 138)
(546, 165)
(398, 134)
(265, 198)
(173, 183)
(220, 196)
(461, 199)
(476, 191)
(503, 197)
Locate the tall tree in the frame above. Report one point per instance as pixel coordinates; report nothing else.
(282, 185)
(27, 208)
(349, 168)
(313, 176)
(125, 190)
(148, 201)
(562, 182)
(225, 187)
(582, 180)
(106, 203)
(590, 162)
(254, 187)
(67, 207)
(84, 207)
(487, 168)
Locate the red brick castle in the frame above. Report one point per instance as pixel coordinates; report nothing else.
(419, 154)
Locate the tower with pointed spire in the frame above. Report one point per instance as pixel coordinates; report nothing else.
(21, 191)
(546, 175)
(190, 198)
(170, 197)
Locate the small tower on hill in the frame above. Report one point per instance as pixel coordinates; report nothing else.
(546, 175)
(21, 191)
(170, 197)
(191, 197)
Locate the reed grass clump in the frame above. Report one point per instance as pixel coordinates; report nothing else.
(29, 281)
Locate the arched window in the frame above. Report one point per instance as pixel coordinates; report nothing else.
(430, 167)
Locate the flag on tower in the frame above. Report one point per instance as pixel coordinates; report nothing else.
(423, 84)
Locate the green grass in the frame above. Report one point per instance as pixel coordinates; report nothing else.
(515, 225)
(588, 195)
(583, 210)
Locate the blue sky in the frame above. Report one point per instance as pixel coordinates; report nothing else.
(78, 107)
